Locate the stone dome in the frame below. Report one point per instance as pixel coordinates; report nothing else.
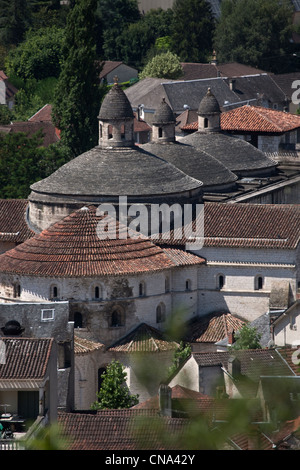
(115, 106)
(163, 114)
(209, 104)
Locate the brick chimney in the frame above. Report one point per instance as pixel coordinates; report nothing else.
(231, 338)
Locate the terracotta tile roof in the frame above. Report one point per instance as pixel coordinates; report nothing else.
(259, 119)
(246, 225)
(196, 71)
(212, 328)
(72, 248)
(287, 353)
(26, 358)
(182, 258)
(43, 114)
(144, 338)
(29, 128)
(84, 346)
(13, 226)
(121, 430)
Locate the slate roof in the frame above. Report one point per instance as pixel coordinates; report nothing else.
(125, 171)
(13, 226)
(196, 163)
(212, 328)
(115, 105)
(72, 248)
(235, 154)
(285, 81)
(26, 358)
(258, 86)
(260, 120)
(126, 429)
(144, 338)
(254, 362)
(177, 94)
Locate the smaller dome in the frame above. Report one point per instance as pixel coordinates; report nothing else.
(209, 104)
(12, 328)
(163, 114)
(115, 105)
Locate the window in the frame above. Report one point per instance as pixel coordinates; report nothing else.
(220, 281)
(205, 123)
(77, 320)
(188, 284)
(117, 318)
(160, 313)
(53, 292)
(160, 132)
(17, 290)
(167, 284)
(47, 314)
(98, 293)
(142, 289)
(258, 283)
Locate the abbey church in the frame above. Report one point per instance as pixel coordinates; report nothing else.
(122, 290)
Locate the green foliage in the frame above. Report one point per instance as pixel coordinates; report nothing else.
(165, 65)
(255, 32)
(247, 338)
(78, 95)
(5, 114)
(24, 161)
(192, 31)
(15, 19)
(38, 56)
(48, 438)
(113, 393)
(180, 355)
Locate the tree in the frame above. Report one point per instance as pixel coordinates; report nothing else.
(77, 101)
(38, 56)
(181, 353)
(15, 19)
(165, 65)
(255, 32)
(192, 31)
(247, 338)
(113, 394)
(113, 19)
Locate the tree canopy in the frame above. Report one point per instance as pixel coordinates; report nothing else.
(77, 99)
(165, 65)
(113, 393)
(255, 32)
(247, 338)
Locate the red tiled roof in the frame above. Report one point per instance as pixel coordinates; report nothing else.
(84, 346)
(13, 226)
(246, 225)
(144, 338)
(72, 248)
(29, 128)
(43, 114)
(212, 328)
(126, 429)
(26, 358)
(259, 119)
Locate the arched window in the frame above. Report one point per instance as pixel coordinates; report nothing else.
(160, 313)
(98, 293)
(220, 281)
(205, 123)
(188, 284)
(117, 318)
(77, 320)
(258, 283)
(54, 292)
(160, 132)
(142, 289)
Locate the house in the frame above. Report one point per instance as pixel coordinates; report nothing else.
(7, 91)
(196, 71)
(28, 382)
(110, 69)
(14, 230)
(285, 327)
(269, 130)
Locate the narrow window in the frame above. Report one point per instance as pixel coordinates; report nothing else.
(220, 281)
(259, 282)
(97, 293)
(188, 284)
(55, 292)
(167, 285)
(141, 289)
(160, 132)
(160, 313)
(205, 123)
(77, 320)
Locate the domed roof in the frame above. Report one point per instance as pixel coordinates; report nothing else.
(115, 105)
(209, 104)
(163, 114)
(73, 247)
(125, 171)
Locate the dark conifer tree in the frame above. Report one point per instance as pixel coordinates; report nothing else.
(77, 99)
(15, 19)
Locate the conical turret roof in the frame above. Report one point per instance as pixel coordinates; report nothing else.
(115, 105)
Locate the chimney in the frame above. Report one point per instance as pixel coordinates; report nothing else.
(231, 338)
(165, 400)
(234, 366)
(232, 84)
